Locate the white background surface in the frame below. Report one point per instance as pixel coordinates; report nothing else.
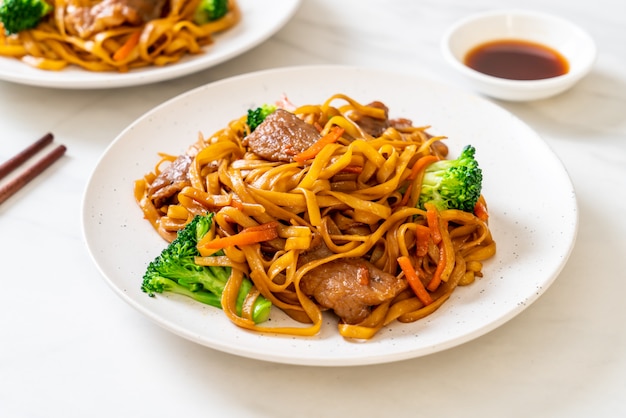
(70, 347)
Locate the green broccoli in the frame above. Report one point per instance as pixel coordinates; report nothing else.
(258, 115)
(19, 15)
(453, 184)
(210, 10)
(175, 270)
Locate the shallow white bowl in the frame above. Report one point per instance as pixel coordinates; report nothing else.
(559, 34)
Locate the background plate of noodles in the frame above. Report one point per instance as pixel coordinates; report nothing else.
(258, 22)
(533, 212)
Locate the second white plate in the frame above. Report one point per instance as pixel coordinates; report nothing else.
(260, 20)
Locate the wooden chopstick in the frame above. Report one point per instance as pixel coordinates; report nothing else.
(12, 163)
(30, 173)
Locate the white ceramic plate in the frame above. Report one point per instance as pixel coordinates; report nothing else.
(531, 199)
(260, 20)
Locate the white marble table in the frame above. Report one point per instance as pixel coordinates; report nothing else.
(69, 347)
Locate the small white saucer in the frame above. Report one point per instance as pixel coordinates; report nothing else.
(573, 43)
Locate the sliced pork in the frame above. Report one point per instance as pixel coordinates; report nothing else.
(84, 19)
(171, 180)
(282, 136)
(351, 287)
(373, 126)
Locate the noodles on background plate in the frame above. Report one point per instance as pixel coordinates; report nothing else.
(55, 43)
(354, 198)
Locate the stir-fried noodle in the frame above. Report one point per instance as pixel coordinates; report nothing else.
(356, 198)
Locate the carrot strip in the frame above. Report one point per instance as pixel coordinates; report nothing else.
(250, 235)
(123, 52)
(422, 237)
(407, 194)
(436, 279)
(414, 281)
(332, 136)
(421, 165)
(432, 218)
(480, 210)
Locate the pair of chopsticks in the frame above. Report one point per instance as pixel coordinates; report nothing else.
(31, 172)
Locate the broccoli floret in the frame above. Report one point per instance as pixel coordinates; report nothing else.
(175, 270)
(453, 184)
(19, 15)
(258, 115)
(210, 10)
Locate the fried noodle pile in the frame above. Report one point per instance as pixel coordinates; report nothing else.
(346, 216)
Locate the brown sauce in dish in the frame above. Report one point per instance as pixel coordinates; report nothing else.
(516, 60)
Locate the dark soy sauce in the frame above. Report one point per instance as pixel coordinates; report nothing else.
(516, 60)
